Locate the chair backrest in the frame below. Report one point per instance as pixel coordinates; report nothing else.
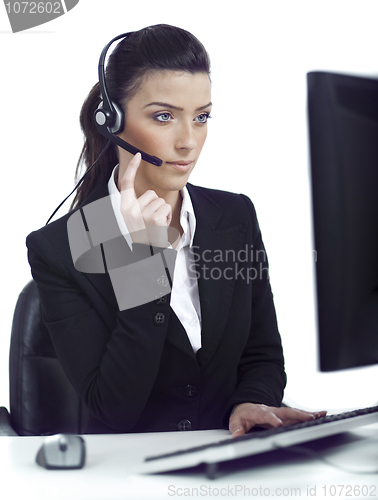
(42, 400)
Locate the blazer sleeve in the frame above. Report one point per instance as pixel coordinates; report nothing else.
(262, 377)
(110, 356)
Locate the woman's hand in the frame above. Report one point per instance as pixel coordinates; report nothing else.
(247, 415)
(147, 217)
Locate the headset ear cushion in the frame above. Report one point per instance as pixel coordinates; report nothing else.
(118, 119)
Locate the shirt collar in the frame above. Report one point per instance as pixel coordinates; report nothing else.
(187, 216)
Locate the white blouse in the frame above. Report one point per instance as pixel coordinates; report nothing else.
(184, 296)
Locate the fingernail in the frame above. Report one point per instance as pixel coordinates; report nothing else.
(237, 430)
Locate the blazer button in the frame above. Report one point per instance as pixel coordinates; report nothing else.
(190, 391)
(184, 425)
(161, 300)
(162, 281)
(159, 318)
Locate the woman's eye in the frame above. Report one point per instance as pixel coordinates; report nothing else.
(163, 117)
(202, 118)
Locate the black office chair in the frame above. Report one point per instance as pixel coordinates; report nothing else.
(42, 400)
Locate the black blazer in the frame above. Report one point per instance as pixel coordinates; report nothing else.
(137, 374)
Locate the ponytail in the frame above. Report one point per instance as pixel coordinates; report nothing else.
(93, 146)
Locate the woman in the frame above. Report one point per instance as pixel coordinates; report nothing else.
(208, 354)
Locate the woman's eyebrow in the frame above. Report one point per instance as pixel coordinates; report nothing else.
(204, 107)
(171, 106)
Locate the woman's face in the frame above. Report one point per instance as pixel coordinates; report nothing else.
(167, 118)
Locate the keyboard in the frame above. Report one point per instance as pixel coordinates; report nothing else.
(260, 441)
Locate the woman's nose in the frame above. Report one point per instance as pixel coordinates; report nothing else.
(185, 137)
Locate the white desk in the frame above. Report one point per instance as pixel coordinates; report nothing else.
(114, 464)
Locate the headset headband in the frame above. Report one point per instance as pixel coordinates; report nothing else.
(109, 116)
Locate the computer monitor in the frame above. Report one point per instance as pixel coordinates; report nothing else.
(343, 133)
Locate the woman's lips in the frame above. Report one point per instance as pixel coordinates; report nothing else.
(182, 166)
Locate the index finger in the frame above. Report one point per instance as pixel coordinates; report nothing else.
(293, 415)
(128, 178)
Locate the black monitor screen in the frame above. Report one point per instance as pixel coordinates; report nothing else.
(343, 132)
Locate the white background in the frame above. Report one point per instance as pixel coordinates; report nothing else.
(257, 144)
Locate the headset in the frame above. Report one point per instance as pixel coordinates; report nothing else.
(110, 120)
(109, 116)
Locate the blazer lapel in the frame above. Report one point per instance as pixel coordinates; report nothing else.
(176, 333)
(101, 281)
(214, 250)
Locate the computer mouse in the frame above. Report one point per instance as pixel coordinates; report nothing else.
(62, 451)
